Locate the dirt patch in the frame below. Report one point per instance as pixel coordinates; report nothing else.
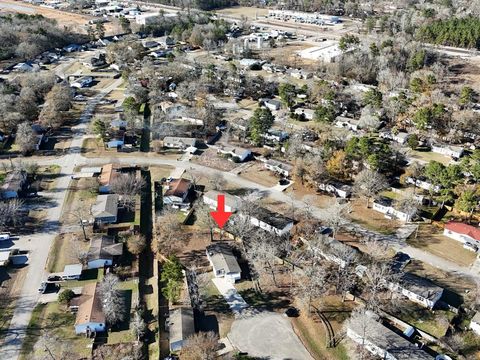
(258, 174)
(211, 158)
(64, 18)
(238, 11)
(372, 219)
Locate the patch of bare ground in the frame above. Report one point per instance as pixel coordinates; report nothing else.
(258, 174)
(211, 159)
(372, 219)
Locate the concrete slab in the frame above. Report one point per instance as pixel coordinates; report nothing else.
(231, 295)
(267, 335)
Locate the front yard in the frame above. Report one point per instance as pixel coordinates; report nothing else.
(430, 239)
(51, 328)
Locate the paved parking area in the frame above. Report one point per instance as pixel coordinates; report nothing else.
(267, 335)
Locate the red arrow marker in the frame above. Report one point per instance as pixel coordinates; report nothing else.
(220, 216)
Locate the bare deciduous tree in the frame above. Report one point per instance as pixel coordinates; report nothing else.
(25, 138)
(311, 284)
(128, 186)
(369, 183)
(136, 244)
(138, 326)
(10, 213)
(167, 235)
(378, 278)
(217, 181)
(200, 346)
(112, 303)
(335, 215)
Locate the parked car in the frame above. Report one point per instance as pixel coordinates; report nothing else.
(48, 287)
(54, 278)
(292, 312)
(470, 246)
(4, 236)
(400, 260)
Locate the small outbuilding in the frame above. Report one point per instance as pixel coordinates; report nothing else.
(180, 327)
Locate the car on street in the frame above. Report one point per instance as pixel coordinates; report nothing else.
(48, 287)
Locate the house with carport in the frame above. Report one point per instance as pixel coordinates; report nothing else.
(90, 318)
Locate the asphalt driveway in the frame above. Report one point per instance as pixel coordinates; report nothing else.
(267, 335)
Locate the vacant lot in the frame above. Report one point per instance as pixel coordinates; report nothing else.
(430, 239)
(427, 156)
(238, 11)
(371, 219)
(257, 173)
(211, 159)
(80, 198)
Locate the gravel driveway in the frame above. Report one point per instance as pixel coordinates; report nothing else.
(267, 335)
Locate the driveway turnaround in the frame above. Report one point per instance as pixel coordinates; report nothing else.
(267, 335)
(231, 295)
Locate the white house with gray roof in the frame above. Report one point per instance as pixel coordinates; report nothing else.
(278, 167)
(271, 221)
(179, 142)
(419, 290)
(224, 263)
(232, 203)
(383, 342)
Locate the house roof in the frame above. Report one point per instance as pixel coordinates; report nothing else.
(231, 201)
(420, 286)
(109, 172)
(222, 257)
(181, 324)
(105, 206)
(387, 340)
(90, 306)
(280, 165)
(476, 317)
(464, 229)
(186, 141)
(72, 270)
(238, 151)
(178, 187)
(271, 218)
(104, 247)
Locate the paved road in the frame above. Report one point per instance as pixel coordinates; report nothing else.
(396, 242)
(41, 241)
(267, 335)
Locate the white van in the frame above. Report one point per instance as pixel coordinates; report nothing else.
(4, 236)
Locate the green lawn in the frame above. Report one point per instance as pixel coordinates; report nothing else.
(57, 326)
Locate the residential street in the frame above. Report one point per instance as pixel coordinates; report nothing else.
(41, 241)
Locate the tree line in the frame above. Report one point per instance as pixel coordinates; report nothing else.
(461, 32)
(26, 36)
